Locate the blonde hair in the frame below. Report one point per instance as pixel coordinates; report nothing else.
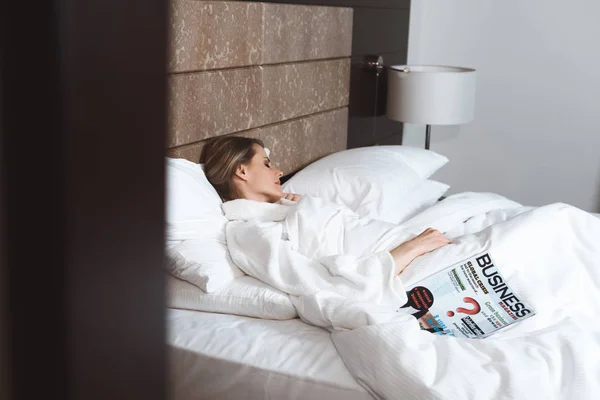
(221, 157)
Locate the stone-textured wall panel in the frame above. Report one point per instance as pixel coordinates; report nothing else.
(294, 144)
(278, 72)
(207, 104)
(190, 152)
(295, 33)
(214, 34)
(208, 35)
(213, 103)
(293, 90)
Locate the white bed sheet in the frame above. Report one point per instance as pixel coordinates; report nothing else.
(219, 356)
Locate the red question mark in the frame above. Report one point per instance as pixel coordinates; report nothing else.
(476, 308)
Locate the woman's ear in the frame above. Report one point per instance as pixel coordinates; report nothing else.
(242, 172)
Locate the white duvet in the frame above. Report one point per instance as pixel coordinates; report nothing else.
(339, 275)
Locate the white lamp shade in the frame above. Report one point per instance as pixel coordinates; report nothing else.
(434, 95)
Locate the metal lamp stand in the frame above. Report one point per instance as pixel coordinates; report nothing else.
(427, 136)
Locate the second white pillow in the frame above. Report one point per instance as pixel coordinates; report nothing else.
(370, 180)
(422, 196)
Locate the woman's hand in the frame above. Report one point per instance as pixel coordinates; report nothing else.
(431, 239)
(292, 196)
(428, 241)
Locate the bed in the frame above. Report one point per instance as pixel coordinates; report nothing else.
(218, 356)
(215, 355)
(272, 76)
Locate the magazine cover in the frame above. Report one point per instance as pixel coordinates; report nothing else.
(470, 299)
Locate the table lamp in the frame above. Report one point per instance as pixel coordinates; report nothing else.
(431, 95)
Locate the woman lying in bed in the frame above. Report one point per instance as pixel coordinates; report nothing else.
(240, 168)
(340, 272)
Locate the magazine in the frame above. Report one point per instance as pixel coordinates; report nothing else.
(470, 299)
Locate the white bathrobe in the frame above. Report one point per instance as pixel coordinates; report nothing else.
(335, 266)
(319, 253)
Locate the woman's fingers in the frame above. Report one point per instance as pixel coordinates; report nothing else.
(292, 196)
(429, 240)
(434, 233)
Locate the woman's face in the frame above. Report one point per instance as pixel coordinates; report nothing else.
(262, 179)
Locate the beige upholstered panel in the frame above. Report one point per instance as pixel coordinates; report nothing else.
(294, 144)
(221, 34)
(273, 71)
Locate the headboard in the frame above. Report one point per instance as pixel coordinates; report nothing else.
(277, 72)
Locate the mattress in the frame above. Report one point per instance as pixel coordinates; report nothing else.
(218, 356)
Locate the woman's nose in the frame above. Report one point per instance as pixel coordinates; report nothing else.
(279, 173)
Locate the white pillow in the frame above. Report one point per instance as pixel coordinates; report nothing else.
(193, 207)
(423, 196)
(368, 180)
(189, 194)
(424, 162)
(204, 262)
(243, 296)
(196, 228)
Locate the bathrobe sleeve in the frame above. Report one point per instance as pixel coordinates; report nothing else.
(334, 281)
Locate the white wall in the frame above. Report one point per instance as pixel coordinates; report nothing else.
(536, 134)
